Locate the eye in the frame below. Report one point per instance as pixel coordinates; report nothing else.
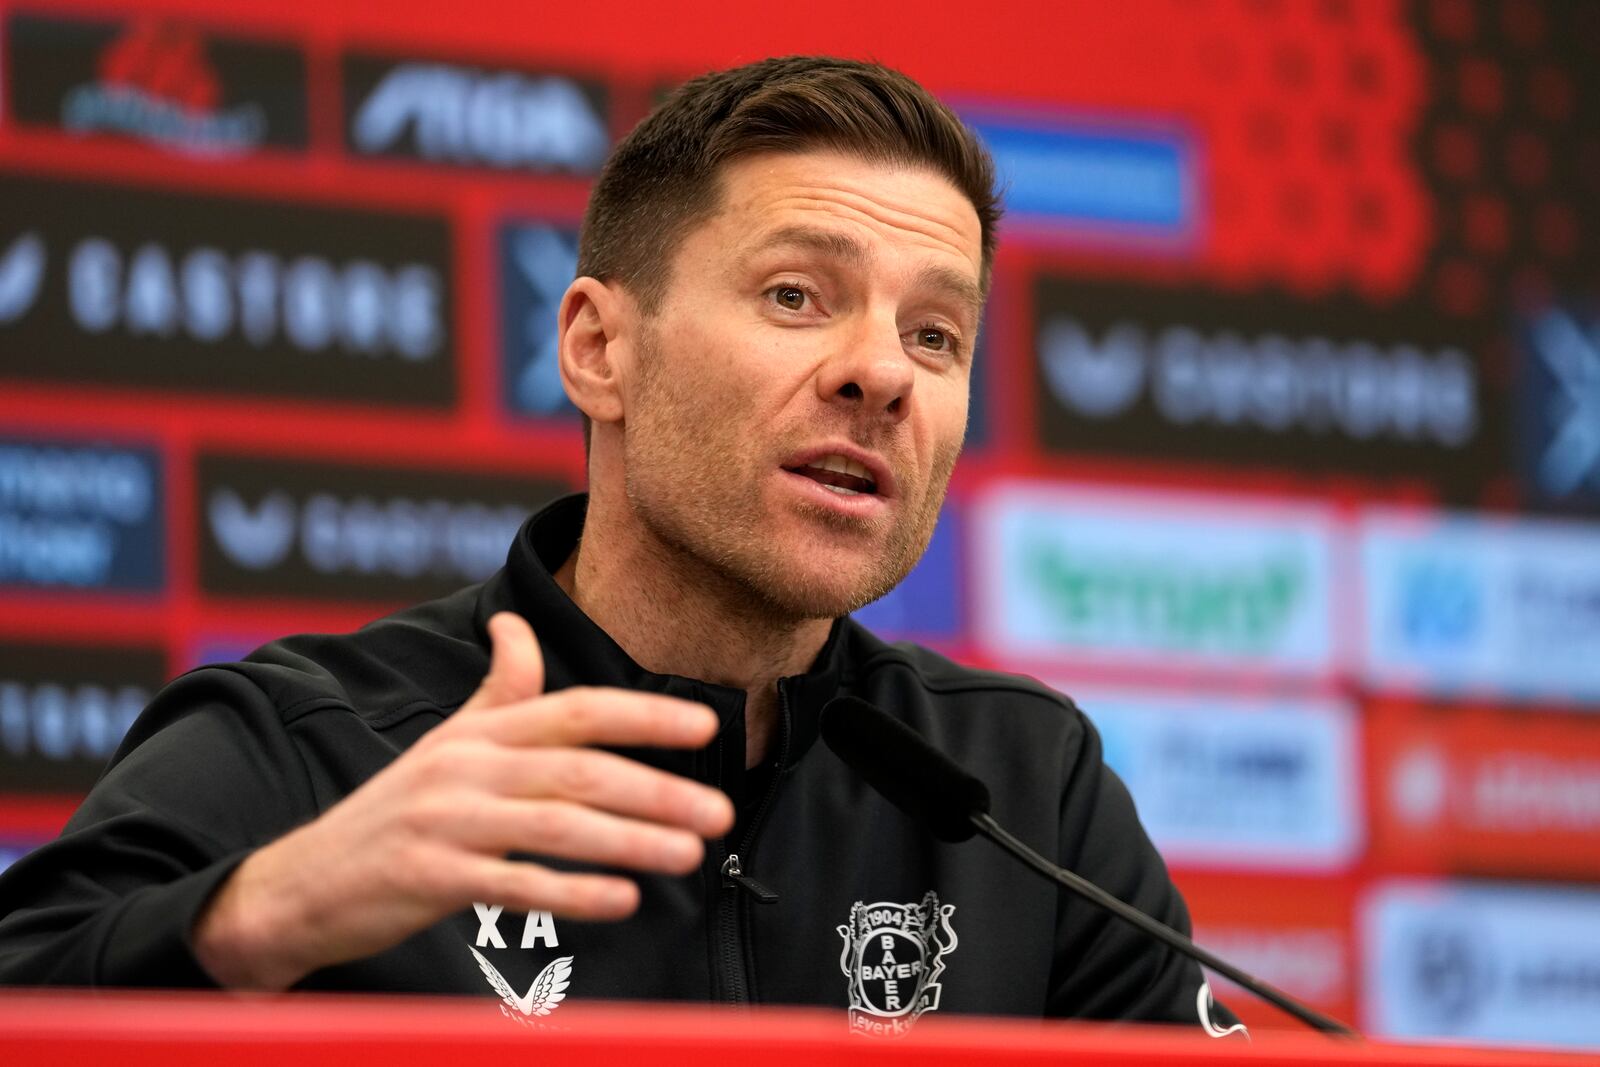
(790, 297)
(936, 339)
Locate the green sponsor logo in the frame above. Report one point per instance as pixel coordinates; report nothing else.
(1167, 604)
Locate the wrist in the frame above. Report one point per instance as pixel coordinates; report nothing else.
(244, 938)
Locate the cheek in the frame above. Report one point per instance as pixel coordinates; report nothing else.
(945, 413)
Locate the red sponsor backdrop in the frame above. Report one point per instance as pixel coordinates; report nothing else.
(1430, 166)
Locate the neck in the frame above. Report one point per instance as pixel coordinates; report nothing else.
(675, 615)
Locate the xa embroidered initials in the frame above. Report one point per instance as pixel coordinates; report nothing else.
(540, 928)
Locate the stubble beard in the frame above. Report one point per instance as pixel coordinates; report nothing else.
(698, 498)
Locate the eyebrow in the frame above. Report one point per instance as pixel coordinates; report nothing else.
(848, 250)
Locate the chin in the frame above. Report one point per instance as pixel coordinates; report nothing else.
(819, 593)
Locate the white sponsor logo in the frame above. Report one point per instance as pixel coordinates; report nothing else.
(1462, 603)
(1359, 389)
(358, 307)
(892, 958)
(1498, 963)
(21, 276)
(1236, 782)
(1507, 792)
(549, 987)
(1571, 355)
(1309, 962)
(112, 485)
(1419, 785)
(499, 118)
(1169, 578)
(398, 537)
(63, 722)
(255, 538)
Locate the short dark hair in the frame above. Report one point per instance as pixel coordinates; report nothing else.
(661, 180)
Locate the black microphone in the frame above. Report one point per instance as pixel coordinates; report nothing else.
(931, 788)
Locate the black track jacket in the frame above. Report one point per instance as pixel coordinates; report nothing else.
(872, 915)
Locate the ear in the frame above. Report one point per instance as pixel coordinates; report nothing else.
(591, 323)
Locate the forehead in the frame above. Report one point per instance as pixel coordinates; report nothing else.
(885, 209)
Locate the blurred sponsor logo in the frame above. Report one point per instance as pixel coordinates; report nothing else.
(125, 286)
(1291, 930)
(160, 82)
(79, 516)
(1234, 782)
(21, 275)
(1456, 604)
(1486, 790)
(1201, 375)
(464, 114)
(1312, 964)
(537, 263)
(296, 528)
(64, 710)
(927, 605)
(1165, 578)
(1120, 183)
(1484, 962)
(1559, 407)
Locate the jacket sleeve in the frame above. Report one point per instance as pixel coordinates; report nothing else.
(205, 775)
(1106, 968)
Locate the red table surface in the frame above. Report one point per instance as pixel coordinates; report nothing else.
(173, 1030)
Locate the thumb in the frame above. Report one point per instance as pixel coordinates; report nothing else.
(516, 667)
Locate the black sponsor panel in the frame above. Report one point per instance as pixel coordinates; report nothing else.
(157, 81)
(108, 285)
(1193, 374)
(469, 115)
(64, 709)
(80, 516)
(277, 528)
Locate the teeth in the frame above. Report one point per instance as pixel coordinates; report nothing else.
(843, 466)
(841, 490)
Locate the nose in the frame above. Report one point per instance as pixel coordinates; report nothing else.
(870, 373)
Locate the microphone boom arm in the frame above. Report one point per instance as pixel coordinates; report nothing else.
(1160, 931)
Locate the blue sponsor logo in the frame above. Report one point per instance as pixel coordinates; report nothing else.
(1093, 175)
(1558, 387)
(927, 605)
(1441, 604)
(80, 516)
(537, 263)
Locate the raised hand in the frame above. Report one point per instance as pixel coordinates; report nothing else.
(510, 770)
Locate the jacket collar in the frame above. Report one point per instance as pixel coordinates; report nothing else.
(578, 652)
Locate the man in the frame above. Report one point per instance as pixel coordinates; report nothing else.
(781, 277)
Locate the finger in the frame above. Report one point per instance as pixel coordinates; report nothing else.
(608, 782)
(598, 716)
(523, 886)
(574, 832)
(516, 667)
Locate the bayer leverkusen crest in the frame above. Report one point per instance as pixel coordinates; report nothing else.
(893, 957)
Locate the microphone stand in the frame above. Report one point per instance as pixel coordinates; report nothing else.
(1160, 931)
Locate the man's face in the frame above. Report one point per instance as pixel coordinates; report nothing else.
(823, 318)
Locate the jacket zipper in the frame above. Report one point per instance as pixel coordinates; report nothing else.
(739, 886)
(733, 875)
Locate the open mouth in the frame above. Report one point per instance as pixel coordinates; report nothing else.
(843, 476)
